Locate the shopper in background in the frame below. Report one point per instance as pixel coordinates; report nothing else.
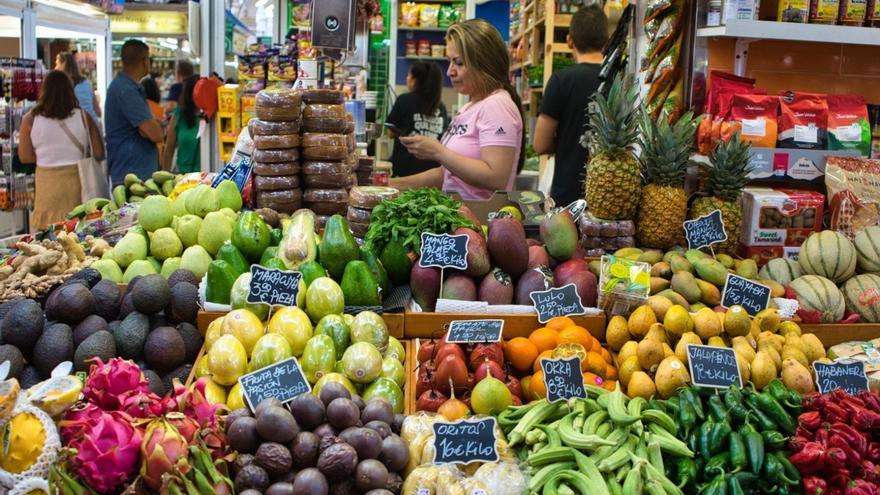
(132, 131)
(183, 70)
(482, 150)
(153, 96)
(85, 95)
(55, 135)
(183, 133)
(560, 125)
(417, 113)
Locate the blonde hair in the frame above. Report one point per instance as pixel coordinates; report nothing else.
(485, 55)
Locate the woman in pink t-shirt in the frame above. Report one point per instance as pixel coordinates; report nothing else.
(481, 150)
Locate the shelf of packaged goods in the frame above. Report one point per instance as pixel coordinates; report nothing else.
(424, 29)
(416, 57)
(788, 31)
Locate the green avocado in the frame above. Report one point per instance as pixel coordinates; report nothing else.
(312, 270)
(377, 269)
(338, 247)
(221, 277)
(234, 257)
(268, 254)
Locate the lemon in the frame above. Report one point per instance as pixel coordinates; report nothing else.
(294, 325)
(244, 326)
(227, 360)
(514, 211)
(235, 398)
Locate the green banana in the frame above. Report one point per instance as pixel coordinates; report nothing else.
(138, 190)
(167, 187)
(151, 185)
(119, 195)
(130, 180)
(136, 199)
(162, 176)
(95, 204)
(77, 212)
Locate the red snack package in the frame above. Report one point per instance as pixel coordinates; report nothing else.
(804, 121)
(754, 117)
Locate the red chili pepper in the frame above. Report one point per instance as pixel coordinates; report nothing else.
(836, 458)
(805, 433)
(854, 438)
(866, 419)
(872, 400)
(870, 471)
(840, 479)
(861, 487)
(810, 420)
(797, 443)
(813, 402)
(834, 412)
(854, 400)
(814, 485)
(822, 436)
(811, 458)
(873, 452)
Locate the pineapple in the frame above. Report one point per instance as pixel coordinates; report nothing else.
(664, 159)
(727, 175)
(613, 180)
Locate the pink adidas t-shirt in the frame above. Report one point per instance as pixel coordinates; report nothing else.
(492, 121)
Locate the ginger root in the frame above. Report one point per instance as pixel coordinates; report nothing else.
(39, 263)
(97, 247)
(70, 244)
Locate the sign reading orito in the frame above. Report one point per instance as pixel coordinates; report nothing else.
(465, 441)
(153, 22)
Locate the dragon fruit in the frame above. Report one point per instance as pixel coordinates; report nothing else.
(186, 426)
(77, 419)
(109, 383)
(163, 450)
(194, 403)
(141, 404)
(107, 448)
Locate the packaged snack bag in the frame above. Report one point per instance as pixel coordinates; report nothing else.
(754, 117)
(804, 121)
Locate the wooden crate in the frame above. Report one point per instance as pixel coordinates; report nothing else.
(409, 389)
(431, 325)
(835, 333)
(394, 321)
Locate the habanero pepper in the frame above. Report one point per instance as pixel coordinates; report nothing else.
(850, 456)
(754, 447)
(870, 471)
(810, 459)
(860, 487)
(810, 420)
(814, 485)
(796, 443)
(805, 433)
(835, 412)
(839, 478)
(717, 409)
(855, 439)
(774, 410)
(813, 401)
(822, 436)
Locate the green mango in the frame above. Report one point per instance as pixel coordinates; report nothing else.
(377, 269)
(319, 358)
(358, 285)
(233, 256)
(337, 247)
(221, 278)
(250, 235)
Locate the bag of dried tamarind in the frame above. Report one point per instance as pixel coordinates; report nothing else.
(803, 123)
(848, 125)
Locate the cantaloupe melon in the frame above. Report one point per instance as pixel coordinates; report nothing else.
(867, 245)
(828, 254)
(820, 295)
(781, 270)
(862, 294)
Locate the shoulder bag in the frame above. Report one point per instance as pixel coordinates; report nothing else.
(93, 178)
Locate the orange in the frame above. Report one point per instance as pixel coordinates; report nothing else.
(544, 354)
(593, 379)
(610, 372)
(606, 355)
(537, 389)
(609, 385)
(560, 322)
(595, 364)
(526, 388)
(576, 335)
(545, 339)
(521, 353)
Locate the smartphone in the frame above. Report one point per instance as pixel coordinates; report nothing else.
(396, 130)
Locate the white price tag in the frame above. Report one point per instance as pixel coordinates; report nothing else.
(852, 132)
(754, 127)
(806, 133)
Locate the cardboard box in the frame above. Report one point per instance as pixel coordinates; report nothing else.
(780, 217)
(763, 254)
(529, 203)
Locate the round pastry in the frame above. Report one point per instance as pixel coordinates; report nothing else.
(326, 153)
(326, 208)
(313, 139)
(338, 196)
(276, 156)
(275, 169)
(278, 104)
(361, 215)
(313, 167)
(331, 181)
(283, 196)
(259, 127)
(368, 197)
(317, 124)
(277, 141)
(323, 96)
(276, 183)
(323, 111)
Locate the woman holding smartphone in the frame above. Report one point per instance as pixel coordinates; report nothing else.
(417, 113)
(481, 150)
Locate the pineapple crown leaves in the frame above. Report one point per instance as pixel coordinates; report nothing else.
(613, 120)
(729, 168)
(665, 147)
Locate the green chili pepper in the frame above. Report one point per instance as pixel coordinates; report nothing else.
(733, 486)
(773, 470)
(764, 422)
(774, 439)
(792, 475)
(686, 470)
(754, 447)
(746, 479)
(733, 401)
(717, 409)
(690, 395)
(693, 440)
(716, 464)
(706, 430)
(687, 417)
(777, 390)
(718, 486)
(774, 410)
(737, 449)
(720, 435)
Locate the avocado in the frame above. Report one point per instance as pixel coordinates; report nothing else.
(29, 377)
(53, 348)
(108, 299)
(164, 349)
(70, 304)
(113, 325)
(99, 344)
(268, 254)
(131, 334)
(221, 278)
(181, 373)
(23, 325)
(16, 360)
(192, 340)
(127, 307)
(312, 270)
(184, 305)
(90, 325)
(151, 294)
(377, 269)
(158, 320)
(358, 285)
(8, 305)
(155, 382)
(395, 258)
(182, 276)
(337, 247)
(88, 275)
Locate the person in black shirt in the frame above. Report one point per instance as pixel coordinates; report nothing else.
(417, 113)
(560, 125)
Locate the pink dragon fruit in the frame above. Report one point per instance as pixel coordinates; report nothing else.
(193, 402)
(141, 404)
(186, 426)
(163, 450)
(109, 383)
(77, 419)
(107, 450)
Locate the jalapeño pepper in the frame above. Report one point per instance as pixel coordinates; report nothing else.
(687, 417)
(774, 439)
(774, 410)
(693, 440)
(754, 447)
(774, 472)
(764, 422)
(733, 486)
(792, 475)
(777, 390)
(687, 471)
(720, 434)
(706, 430)
(717, 464)
(746, 479)
(692, 397)
(718, 486)
(737, 451)
(733, 401)
(717, 409)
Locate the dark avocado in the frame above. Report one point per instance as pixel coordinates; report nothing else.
(151, 294)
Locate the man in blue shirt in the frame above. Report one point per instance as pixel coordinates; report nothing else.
(132, 132)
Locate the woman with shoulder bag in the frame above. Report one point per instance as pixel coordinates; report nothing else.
(57, 135)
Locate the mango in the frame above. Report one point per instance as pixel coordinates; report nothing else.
(660, 305)
(725, 259)
(680, 263)
(746, 268)
(711, 271)
(681, 346)
(776, 289)
(676, 251)
(685, 284)
(651, 256)
(709, 294)
(629, 253)
(640, 321)
(658, 285)
(559, 234)
(675, 297)
(661, 269)
(694, 255)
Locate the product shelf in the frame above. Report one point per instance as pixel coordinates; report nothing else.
(835, 333)
(789, 31)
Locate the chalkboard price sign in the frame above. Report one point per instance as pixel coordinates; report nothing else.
(444, 251)
(474, 331)
(847, 375)
(752, 296)
(713, 367)
(563, 378)
(273, 287)
(554, 302)
(283, 380)
(705, 230)
(465, 441)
